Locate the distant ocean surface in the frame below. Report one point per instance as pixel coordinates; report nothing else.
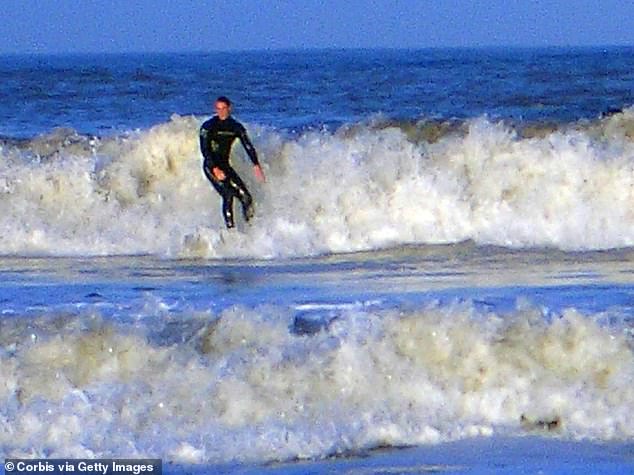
(442, 253)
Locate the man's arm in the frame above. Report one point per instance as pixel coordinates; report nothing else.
(248, 146)
(204, 143)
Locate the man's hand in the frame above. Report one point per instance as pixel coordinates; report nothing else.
(218, 173)
(259, 174)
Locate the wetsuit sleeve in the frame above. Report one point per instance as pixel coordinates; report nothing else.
(204, 143)
(248, 146)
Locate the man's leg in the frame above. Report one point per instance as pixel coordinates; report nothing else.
(225, 191)
(227, 208)
(240, 191)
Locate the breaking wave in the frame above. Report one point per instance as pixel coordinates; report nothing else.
(362, 187)
(279, 383)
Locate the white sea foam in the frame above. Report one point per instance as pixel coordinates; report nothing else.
(356, 189)
(244, 385)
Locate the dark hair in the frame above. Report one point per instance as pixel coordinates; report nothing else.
(225, 100)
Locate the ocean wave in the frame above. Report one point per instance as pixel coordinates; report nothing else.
(362, 187)
(246, 385)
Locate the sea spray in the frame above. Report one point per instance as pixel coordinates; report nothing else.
(362, 188)
(247, 384)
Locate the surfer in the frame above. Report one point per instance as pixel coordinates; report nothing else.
(216, 139)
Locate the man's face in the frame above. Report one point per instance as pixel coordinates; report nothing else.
(222, 109)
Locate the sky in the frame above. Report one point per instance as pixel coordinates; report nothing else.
(114, 26)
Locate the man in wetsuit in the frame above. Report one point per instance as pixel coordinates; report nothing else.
(216, 138)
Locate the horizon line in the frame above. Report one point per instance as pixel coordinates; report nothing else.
(318, 49)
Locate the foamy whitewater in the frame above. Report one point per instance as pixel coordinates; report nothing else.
(441, 254)
(361, 188)
(259, 384)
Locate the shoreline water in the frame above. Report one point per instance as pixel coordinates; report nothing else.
(221, 324)
(485, 455)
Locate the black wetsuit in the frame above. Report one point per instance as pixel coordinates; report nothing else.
(216, 138)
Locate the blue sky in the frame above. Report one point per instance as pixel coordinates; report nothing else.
(61, 26)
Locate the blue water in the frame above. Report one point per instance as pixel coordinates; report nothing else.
(441, 259)
(106, 94)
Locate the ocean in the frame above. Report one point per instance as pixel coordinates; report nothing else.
(439, 277)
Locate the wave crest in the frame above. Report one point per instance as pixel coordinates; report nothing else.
(362, 187)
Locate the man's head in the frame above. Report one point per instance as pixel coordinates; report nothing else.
(223, 107)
